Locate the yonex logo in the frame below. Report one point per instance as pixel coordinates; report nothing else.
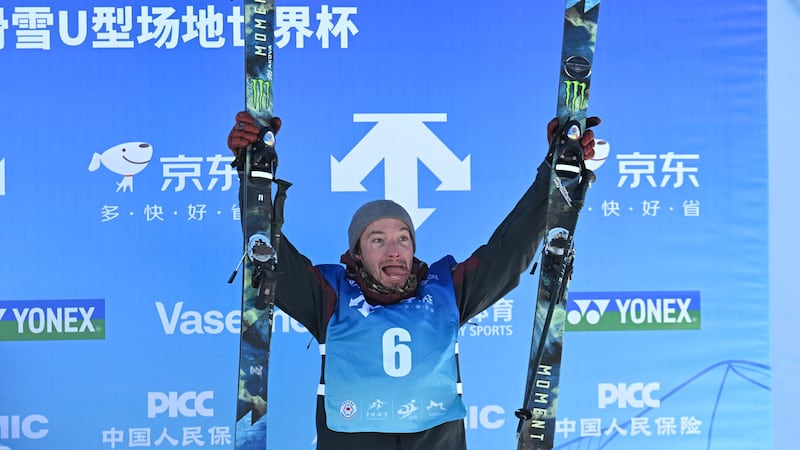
(632, 311)
(40, 320)
(590, 311)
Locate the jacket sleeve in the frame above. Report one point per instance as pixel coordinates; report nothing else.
(495, 268)
(302, 292)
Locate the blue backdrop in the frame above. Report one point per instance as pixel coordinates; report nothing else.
(119, 222)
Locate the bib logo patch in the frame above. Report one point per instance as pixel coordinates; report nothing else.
(348, 409)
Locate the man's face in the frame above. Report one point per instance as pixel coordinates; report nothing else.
(387, 251)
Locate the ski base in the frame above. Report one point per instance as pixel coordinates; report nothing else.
(569, 182)
(257, 216)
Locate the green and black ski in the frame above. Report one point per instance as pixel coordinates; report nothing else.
(261, 222)
(569, 181)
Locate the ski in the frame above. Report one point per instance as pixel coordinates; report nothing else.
(569, 180)
(261, 221)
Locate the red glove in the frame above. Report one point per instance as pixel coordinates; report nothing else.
(246, 131)
(587, 140)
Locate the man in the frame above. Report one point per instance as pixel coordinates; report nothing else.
(387, 323)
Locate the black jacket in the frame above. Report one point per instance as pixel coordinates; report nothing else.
(479, 281)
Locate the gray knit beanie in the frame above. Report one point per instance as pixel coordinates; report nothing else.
(372, 211)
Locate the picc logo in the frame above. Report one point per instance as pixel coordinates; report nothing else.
(180, 404)
(634, 395)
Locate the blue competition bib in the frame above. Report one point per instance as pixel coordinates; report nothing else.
(393, 368)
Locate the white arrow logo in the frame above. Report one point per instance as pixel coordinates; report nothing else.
(400, 140)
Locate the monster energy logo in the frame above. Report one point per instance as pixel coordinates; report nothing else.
(576, 97)
(261, 95)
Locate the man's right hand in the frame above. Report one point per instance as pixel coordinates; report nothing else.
(246, 131)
